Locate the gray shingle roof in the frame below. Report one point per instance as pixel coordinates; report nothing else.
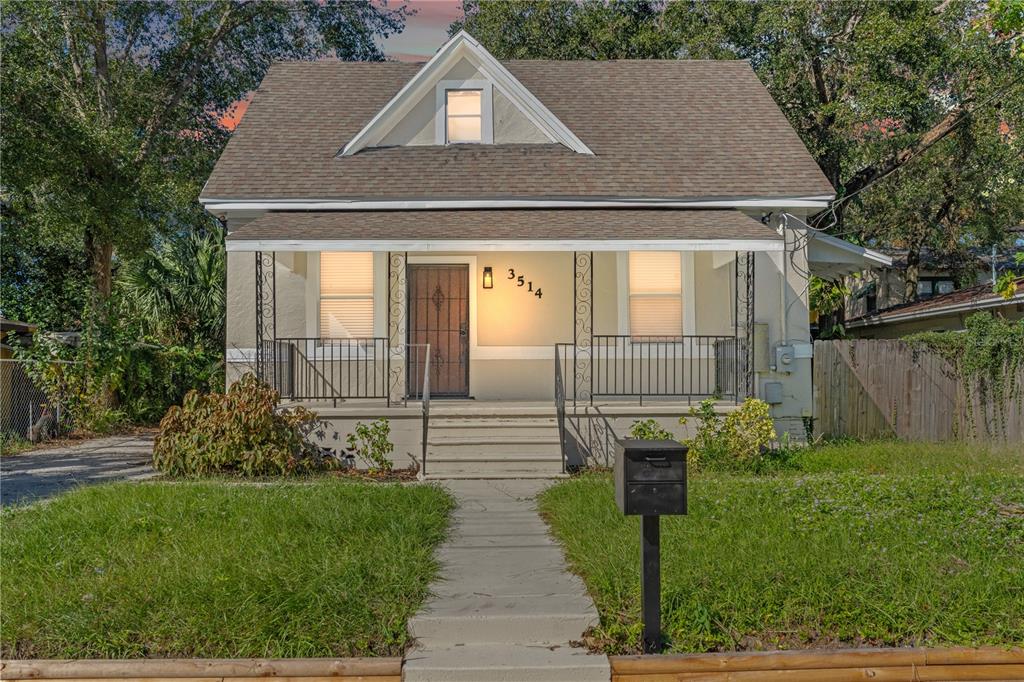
(502, 224)
(658, 129)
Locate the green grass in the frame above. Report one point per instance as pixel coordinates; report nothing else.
(924, 552)
(212, 569)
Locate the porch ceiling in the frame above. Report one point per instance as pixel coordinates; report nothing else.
(606, 229)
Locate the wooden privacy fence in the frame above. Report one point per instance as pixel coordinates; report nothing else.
(850, 665)
(876, 388)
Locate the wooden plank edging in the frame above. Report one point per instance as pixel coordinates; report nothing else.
(813, 660)
(42, 669)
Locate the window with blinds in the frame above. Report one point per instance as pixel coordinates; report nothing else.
(346, 294)
(655, 293)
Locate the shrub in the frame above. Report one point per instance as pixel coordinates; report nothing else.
(238, 432)
(737, 442)
(372, 444)
(649, 429)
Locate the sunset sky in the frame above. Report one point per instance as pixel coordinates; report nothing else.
(425, 31)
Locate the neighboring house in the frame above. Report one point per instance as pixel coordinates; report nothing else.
(945, 312)
(884, 286)
(560, 233)
(20, 400)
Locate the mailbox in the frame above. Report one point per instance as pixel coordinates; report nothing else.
(650, 477)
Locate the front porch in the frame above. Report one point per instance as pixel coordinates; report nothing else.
(545, 343)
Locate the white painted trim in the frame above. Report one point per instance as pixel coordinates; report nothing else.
(462, 46)
(215, 205)
(688, 283)
(622, 291)
(240, 355)
(462, 245)
(313, 294)
(860, 251)
(441, 110)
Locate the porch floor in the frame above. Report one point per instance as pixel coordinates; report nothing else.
(456, 407)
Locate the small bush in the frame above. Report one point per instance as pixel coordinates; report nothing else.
(372, 444)
(649, 429)
(238, 432)
(737, 442)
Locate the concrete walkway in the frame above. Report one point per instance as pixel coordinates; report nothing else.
(41, 473)
(506, 607)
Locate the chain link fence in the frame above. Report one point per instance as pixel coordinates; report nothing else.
(26, 411)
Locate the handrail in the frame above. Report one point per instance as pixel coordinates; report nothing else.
(560, 402)
(426, 409)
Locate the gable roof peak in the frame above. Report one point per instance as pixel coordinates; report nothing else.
(463, 45)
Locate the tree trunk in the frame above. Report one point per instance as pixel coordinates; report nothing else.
(101, 256)
(912, 274)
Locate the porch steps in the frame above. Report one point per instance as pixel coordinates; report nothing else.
(500, 445)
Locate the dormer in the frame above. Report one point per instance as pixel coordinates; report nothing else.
(463, 95)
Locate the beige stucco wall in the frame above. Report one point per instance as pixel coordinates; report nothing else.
(515, 331)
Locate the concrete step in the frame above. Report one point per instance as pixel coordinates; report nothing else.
(506, 663)
(493, 464)
(502, 449)
(494, 432)
(481, 619)
(462, 476)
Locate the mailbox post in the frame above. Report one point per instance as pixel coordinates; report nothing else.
(650, 480)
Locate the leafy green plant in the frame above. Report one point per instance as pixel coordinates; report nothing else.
(238, 432)
(1006, 285)
(987, 357)
(740, 441)
(372, 444)
(649, 429)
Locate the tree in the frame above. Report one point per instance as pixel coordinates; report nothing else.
(871, 87)
(176, 290)
(111, 108)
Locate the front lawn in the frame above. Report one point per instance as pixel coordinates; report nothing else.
(217, 569)
(879, 544)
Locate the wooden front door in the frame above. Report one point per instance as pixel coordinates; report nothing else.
(439, 315)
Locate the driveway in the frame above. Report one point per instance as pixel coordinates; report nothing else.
(43, 473)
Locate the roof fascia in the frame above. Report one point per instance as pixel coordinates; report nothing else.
(216, 205)
(459, 46)
(504, 245)
(996, 302)
(855, 250)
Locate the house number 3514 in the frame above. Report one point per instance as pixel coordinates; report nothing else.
(523, 282)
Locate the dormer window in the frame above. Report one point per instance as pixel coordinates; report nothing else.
(463, 112)
(464, 116)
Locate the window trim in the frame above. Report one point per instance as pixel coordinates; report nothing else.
(441, 110)
(315, 323)
(687, 294)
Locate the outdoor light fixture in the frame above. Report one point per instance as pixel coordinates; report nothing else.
(488, 278)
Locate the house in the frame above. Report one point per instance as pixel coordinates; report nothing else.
(569, 244)
(945, 312)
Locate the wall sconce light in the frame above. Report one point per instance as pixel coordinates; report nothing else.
(488, 278)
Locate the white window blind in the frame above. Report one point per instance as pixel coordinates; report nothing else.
(346, 294)
(655, 293)
(464, 111)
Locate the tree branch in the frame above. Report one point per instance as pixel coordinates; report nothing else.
(99, 19)
(185, 77)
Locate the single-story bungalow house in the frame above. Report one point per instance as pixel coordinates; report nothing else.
(512, 260)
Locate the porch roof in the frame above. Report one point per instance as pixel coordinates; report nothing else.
(606, 229)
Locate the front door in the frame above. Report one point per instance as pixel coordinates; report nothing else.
(439, 315)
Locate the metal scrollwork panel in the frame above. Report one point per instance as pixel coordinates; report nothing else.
(266, 316)
(398, 307)
(745, 322)
(583, 328)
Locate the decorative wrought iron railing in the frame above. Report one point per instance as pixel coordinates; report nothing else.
(560, 402)
(327, 369)
(425, 406)
(651, 367)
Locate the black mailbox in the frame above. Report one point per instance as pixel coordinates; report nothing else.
(650, 477)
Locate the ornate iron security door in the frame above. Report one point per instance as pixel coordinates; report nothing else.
(439, 315)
